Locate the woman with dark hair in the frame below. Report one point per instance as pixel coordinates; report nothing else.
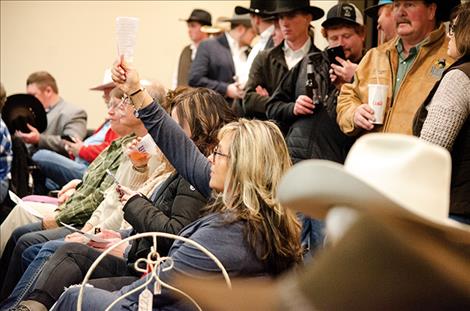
(446, 112)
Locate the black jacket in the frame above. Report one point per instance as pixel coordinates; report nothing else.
(267, 70)
(177, 204)
(314, 136)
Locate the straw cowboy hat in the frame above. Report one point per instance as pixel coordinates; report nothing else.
(383, 173)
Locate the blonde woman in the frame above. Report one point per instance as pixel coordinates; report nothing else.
(244, 227)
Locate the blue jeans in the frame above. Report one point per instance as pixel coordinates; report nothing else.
(312, 235)
(22, 238)
(34, 258)
(58, 168)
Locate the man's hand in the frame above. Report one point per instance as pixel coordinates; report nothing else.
(234, 91)
(49, 223)
(66, 192)
(76, 238)
(303, 106)
(363, 117)
(342, 74)
(32, 137)
(74, 148)
(125, 76)
(262, 91)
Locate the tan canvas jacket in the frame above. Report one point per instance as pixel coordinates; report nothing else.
(380, 65)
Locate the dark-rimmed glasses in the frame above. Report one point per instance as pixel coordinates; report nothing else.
(451, 29)
(216, 153)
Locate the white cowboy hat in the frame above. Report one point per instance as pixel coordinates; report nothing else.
(107, 82)
(383, 173)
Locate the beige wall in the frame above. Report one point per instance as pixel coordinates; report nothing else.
(75, 42)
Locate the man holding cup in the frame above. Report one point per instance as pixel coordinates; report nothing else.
(408, 67)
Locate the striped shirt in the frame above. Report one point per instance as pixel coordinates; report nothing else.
(6, 154)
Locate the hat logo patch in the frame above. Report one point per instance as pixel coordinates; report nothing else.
(348, 12)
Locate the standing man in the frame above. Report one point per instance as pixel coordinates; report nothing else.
(270, 67)
(263, 24)
(196, 20)
(383, 12)
(344, 26)
(62, 117)
(220, 60)
(410, 65)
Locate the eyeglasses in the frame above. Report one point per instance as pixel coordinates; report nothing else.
(451, 29)
(119, 104)
(216, 153)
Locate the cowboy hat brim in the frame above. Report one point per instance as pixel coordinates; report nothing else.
(313, 187)
(103, 87)
(316, 12)
(22, 109)
(242, 10)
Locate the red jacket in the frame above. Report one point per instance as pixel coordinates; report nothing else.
(89, 153)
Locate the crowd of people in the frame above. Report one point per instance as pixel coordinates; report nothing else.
(209, 160)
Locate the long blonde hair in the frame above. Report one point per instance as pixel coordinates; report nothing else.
(258, 159)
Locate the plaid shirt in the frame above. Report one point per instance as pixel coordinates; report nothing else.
(6, 154)
(81, 205)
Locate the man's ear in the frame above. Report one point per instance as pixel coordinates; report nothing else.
(48, 91)
(432, 9)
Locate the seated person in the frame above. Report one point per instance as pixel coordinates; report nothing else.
(245, 227)
(201, 113)
(62, 117)
(5, 150)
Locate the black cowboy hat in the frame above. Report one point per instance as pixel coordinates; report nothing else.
(258, 7)
(22, 109)
(200, 16)
(286, 6)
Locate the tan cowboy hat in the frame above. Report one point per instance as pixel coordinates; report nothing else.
(383, 173)
(221, 25)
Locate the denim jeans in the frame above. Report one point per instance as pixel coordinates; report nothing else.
(58, 168)
(34, 259)
(312, 236)
(22, 238)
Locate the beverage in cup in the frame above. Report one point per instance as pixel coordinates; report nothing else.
(137, 155)
(378, 101)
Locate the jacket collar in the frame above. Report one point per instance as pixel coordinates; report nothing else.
(434, 36)
(223, 40)
(278, 52)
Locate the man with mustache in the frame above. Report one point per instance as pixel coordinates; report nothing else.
(410, 65)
